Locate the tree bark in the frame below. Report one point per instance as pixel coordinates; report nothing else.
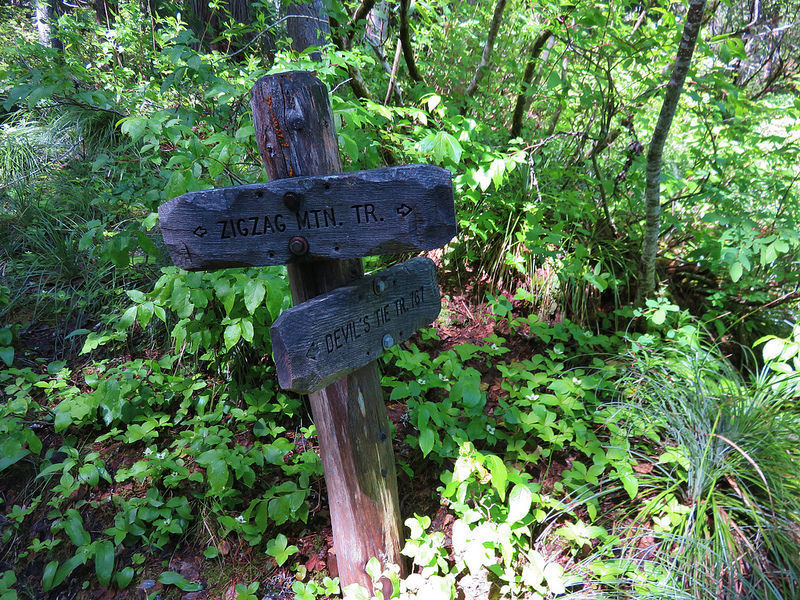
(486, 55)
(42, 22)
(307, 25)
(523, 99)
(405, 39)
(647, 265)
(46, 13)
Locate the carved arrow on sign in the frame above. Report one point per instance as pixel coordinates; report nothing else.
(346, 215)
(329, 336)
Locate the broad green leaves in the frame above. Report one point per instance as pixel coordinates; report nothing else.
(442, 147)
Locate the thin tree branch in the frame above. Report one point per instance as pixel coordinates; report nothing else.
(487, 52)
(647, 265)
(393, 84)
(523, 99)
(268, 27)
(361, 13)
(405, 39)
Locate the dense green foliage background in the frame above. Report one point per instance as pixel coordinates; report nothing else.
(588, 447)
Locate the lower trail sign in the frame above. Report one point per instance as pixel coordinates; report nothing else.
(319, 223)
(332, 335)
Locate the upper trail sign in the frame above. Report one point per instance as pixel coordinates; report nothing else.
(349, 215)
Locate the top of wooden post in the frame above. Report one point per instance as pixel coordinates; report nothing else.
(299, 137)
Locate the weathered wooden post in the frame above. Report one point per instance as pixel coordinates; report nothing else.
(296, 136)
(319, 222)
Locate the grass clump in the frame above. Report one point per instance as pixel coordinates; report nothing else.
(722, 496)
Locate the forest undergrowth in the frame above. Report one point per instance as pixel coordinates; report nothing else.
(553, 438)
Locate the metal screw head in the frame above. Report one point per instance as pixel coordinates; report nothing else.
(298, 246)
(387, 341)
(379, 286)
(291, 200)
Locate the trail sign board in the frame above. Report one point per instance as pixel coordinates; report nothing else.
(348, 215)
(329, 336)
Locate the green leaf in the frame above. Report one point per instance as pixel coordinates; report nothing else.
(104, 561)
(254, 293)
(736, 271)
(176, 579)
(134, 127)
(659, 316)
(426, 439)
(246, 326)
(123, 578)
(7, 355)
(217, 475)
(554, 575)
(499, 474)
(278, 549)
(56, 366)
(150, 221)
(630, 483)
(442, 147)
(128, 317)
(519, 503)
(374, 569)
(232, 335)
(48, 575)
(63, 571)
(773, 349)
(74, 528)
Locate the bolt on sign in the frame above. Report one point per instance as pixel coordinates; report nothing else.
(349, 215)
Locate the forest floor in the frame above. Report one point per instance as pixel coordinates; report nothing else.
(462, 321)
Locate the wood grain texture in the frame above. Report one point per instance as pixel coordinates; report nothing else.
(350, 215)
(350, 416)
(332, 335)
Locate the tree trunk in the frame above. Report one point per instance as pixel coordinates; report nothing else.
(42, 22)
(308, 25)
(405, 39)
(497, 17)
(523, 99)
(46, 13)
(647, 265)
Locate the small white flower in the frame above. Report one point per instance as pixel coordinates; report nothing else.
(148, 451)
(161, 455)
(490, 429)
(240, 518)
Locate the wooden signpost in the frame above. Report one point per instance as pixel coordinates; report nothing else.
(351, 215)
(319, 223)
